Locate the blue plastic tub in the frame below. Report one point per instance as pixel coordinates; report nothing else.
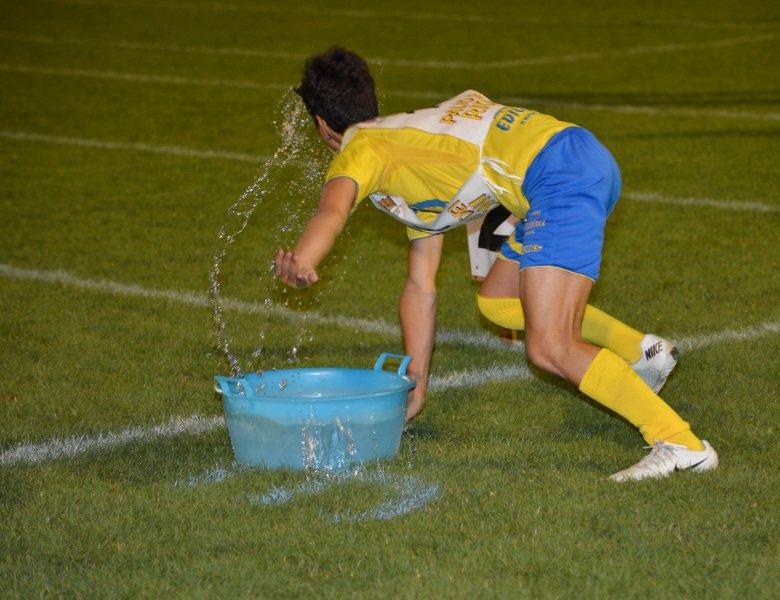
(325, 419)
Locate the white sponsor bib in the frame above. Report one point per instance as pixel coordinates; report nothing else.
(468, 117)
(472, 200)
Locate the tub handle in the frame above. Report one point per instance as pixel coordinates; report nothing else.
(221, 384)
(405, 360)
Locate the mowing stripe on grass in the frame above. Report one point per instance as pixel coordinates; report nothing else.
(420, 95)
(406, 63)
(414, 15)
(650, 197)
(55, 448)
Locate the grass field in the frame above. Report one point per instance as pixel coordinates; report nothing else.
(126, 130)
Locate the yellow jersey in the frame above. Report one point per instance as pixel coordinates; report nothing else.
(436, 168)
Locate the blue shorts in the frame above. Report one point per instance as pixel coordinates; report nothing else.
(572, 186)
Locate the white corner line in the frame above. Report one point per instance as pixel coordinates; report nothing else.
(70, 447)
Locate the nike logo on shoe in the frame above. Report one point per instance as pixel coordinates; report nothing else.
(694, 465)
(653, 350)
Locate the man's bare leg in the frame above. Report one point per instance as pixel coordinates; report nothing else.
(554, 301)
(499, 301)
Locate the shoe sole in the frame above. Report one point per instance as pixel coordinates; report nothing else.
(674, 355)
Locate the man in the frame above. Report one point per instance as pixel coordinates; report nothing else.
(436, 168)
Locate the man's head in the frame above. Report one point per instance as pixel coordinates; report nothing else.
(338, 91)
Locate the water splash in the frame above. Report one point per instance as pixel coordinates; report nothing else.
(328, 447)
(292, 123)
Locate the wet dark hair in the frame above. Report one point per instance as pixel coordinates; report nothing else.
(337, 86)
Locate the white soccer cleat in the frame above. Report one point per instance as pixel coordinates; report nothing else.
(665, 458)
(659, 357)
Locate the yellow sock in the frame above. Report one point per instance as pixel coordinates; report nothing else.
(606, 331)
(612, 383)
(597, 326)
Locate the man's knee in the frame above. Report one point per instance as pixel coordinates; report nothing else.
(505, 312)
(548, 350)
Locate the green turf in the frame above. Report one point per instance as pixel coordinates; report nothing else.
(524, 508)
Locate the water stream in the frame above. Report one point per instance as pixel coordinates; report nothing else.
(295, 148)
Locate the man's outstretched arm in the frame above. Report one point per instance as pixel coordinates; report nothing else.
(298, 267)
(418, 314)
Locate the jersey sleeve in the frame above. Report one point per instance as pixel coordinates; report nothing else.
(360, 163)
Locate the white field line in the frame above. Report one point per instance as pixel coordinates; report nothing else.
(649, 197)
(413, 15)
(55, 448)
(637, 109)
(695, 342)
(474, 377)
(618, 108)
(24, 136)
(412, 94)
(289, 9)
(654, 198)
(79, 444)
(476, 339)
(153, 47)
(141, 77)
(634, 51)
(406, 63)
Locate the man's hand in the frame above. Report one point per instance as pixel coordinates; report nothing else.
(290, 270)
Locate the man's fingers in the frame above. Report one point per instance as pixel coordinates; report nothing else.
(282, 266)
(286, 270)
(289, 270)
(278, 261)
